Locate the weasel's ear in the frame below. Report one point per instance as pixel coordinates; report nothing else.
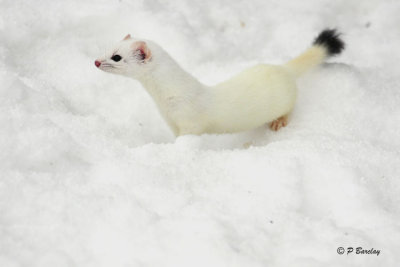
(127, 37)
(141, 49)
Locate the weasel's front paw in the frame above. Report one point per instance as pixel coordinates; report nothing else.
(279, 123)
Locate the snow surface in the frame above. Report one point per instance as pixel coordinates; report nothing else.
(92, 176)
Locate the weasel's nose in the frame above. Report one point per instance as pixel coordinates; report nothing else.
(97, 63)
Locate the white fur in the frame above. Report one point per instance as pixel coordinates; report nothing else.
(250, 99)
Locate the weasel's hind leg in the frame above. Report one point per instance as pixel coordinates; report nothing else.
(279, 123)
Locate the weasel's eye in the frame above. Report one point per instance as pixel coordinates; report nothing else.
(116, 58)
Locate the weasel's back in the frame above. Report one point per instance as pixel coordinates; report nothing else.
(253, 97)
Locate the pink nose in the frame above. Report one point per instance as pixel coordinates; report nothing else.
(97, 63)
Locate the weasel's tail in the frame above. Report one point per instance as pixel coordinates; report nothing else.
(327, 44)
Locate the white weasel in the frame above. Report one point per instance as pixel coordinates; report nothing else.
(261, 94)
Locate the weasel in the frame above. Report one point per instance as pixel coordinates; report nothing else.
(258, 95)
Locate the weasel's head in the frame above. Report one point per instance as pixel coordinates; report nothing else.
(129, 57)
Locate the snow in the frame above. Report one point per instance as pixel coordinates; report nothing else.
(90, 175)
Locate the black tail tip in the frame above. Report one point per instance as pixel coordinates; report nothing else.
(330, 39)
